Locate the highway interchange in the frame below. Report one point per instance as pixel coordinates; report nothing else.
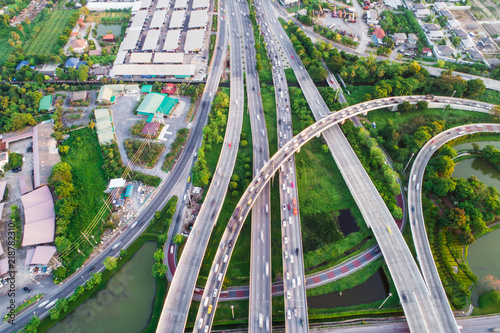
(183, 284)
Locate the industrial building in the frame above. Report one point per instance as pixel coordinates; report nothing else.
(157, 103)
(197, 4)
(198, 19)
(194, 40)
(177, 19)
(104, 126)
(172, 40)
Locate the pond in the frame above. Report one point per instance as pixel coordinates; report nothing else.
(124, 306)
(103, 28)
(376, 288)
(347, 223)
(483, 254)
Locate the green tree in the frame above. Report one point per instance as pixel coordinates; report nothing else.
(179, 239)
(422, 105)
(159, 270)
(475, 88)
(159, 255)
(405, 107)
(325, 149)
(61, 172)
(454, 218)
(110, 263)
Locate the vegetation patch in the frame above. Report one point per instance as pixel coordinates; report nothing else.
(142, 153)
(175, 148)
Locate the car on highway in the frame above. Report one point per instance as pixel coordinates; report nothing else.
(200, 323)
(249, 201)
(288, 295)
(289, 207)
(215, 292)
(27, 289)
(229, 145)
(284, 223)
(285, 240)
(206, 302)
(230, 243)
(295, 211)
(284, 207)
(292, 56)
(290, 219)
(291, 258)
(294, 201)
(286, 254)
(219, 277)
(206, 329)
(226, 257)
(209, 311)
(288, 275)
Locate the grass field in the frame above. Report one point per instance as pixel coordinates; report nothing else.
(45, 42)
(86, 162)
(108, 17)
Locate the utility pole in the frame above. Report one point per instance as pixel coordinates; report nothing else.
(87, 240)
(408, 162)
(385, 300)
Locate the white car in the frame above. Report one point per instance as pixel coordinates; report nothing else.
(285, 239)
(288, 295)
(291, 256)
(288, 275)
(286, 254)
(284, 207)
(290, 219)
(289, 314)
(284, 223)
(215, 293)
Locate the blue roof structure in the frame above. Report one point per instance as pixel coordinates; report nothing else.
(71, 62)
(80, 63)
(21, 64)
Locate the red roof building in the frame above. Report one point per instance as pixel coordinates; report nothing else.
(170, 88)
(378, 35)
(108, 38)
(150, 129)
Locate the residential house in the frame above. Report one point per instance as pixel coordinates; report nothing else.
(444, 50)
(94, 53)
(101, 72)
(78, 45)
(49, 69)
(71, 62)
(486, 44)
(80, 64)
(378, 35)
(460, 33)
(4, 159)
(439, 6)
(79, 97)
(372, 18)
(417, 6)
(412, 41)
(453, 24)
(399, 38)
(24, 63)
(467, 44)
(476, 55)
(427, 51)
(430, 27)
(422, 13)
(435, 35)
(108, 38)
(446, 14)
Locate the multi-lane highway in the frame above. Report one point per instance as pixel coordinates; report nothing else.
(420, 311)
(294, 287)
(176, 307)
(420, 240)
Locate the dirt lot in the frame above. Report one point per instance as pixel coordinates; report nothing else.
(469, 24)
(485, 10)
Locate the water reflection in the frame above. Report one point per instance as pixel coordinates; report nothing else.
(376, 288)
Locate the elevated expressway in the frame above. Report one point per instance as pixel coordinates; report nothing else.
(293, 285)
(420, 240)
(421, 313)
(175, 310)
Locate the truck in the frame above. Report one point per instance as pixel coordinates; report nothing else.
(236, 212)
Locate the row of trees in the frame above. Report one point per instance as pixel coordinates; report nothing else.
(373, 160)
(310, 56)
(61, 179)
(213, 134)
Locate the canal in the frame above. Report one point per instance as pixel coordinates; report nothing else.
(124, 306)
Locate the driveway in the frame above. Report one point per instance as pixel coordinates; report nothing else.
(124, 119)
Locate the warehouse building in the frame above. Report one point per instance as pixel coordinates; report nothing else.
(172, 40)
(161, 4)
(151, 41)
(168, 58)
(141, 58)
(145, 4)
(104, 126)
(177, 19)
(39, 217)
(158, 19)
(194, 40)
(157, 103)
(198, 19)
(180, 4)
(197, 4)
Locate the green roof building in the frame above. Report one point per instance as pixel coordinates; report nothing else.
(104, 126)
(46, 103)
(156, 102)
(146, 88)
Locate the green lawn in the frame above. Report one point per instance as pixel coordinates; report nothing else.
(290, 75)
(487, 305)
(45, 42)
(86, 162)
(357, 93)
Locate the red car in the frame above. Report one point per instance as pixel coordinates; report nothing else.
(292, 57)
(229, 144)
